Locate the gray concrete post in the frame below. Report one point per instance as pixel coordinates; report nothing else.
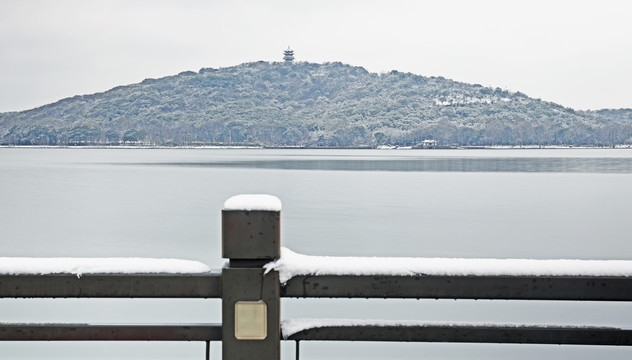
(250, 299)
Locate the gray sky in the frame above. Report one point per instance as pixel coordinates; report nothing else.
(575, 53)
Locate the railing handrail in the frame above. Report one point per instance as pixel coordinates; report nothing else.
(250, 294)
(473, 333)
(110, 332)
(197, 285)
(209, 285)
(504, 287)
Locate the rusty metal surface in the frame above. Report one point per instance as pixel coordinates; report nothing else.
(206, 285)
(99, 332)
(471, 334)
(462, 287)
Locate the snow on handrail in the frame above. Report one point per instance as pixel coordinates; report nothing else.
(293, 326)
(80, 266)
(293, 264)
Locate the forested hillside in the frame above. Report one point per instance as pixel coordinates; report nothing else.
(313, 105)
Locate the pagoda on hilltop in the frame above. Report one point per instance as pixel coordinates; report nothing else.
(288, 55)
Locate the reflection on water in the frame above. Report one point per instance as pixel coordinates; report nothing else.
(440, 164)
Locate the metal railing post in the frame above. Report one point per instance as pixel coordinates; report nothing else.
(250, 299)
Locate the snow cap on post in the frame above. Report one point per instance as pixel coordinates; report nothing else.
(253, 202)
(251, 227)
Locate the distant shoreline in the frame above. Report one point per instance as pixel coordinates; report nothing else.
(227, 147)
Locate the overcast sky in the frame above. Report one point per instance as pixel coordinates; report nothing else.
(575, 53)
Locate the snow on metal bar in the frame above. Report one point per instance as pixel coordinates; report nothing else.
(293, 326)
(385, 330)
(292, 264)
(81, 266)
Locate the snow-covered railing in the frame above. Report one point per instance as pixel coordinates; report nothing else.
(259, 273)
(419, 331)
(107, 278)
(81, 266)
(440, 278)
(112, 285)
(374, 277)
(292, 264)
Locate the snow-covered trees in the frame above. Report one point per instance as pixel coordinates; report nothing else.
(306, 104)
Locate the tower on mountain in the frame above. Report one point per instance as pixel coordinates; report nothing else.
(288, 55)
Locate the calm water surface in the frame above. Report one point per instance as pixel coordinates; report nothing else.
(571, 203)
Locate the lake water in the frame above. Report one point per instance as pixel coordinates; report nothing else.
(544, 203)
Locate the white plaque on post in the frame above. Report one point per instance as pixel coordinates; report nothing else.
(251, 320)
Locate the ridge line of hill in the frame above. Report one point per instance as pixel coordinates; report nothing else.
(310, 105)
